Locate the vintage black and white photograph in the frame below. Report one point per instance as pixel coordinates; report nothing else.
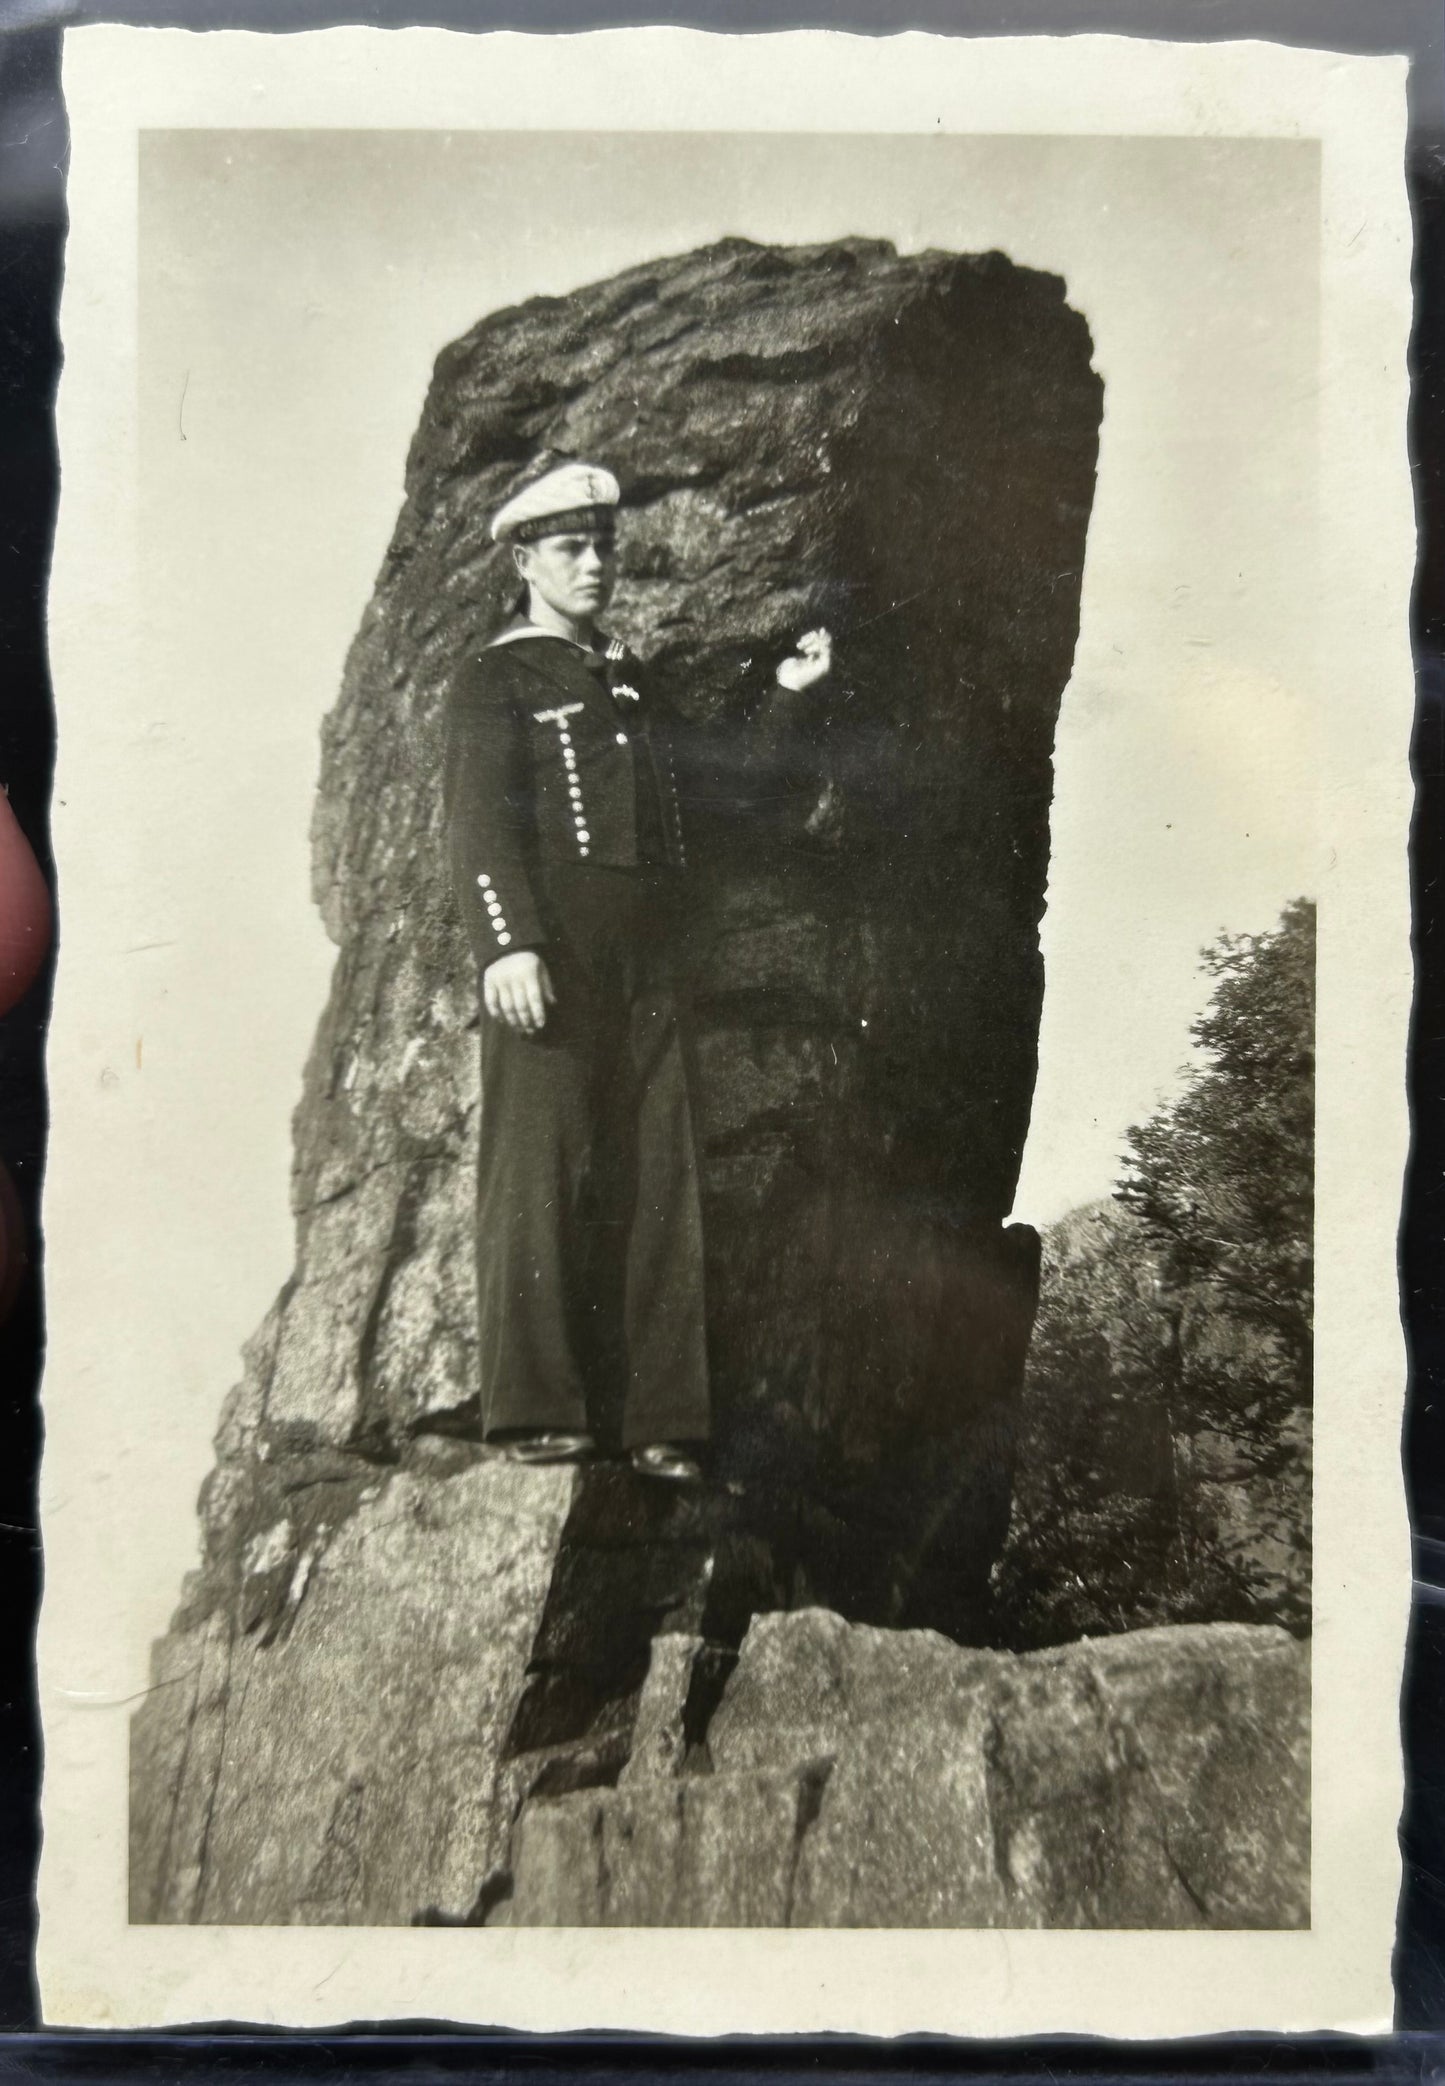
(720, 1020)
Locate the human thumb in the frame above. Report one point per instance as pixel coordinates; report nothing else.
(24, 911)
(25, 922)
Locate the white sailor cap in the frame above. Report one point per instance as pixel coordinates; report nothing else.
(573, 496)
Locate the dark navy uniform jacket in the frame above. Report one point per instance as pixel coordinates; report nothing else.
(554, 755)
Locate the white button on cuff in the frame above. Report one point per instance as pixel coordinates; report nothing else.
(622, 738)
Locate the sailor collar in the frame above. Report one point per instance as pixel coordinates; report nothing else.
(612, 652)
(604, 683)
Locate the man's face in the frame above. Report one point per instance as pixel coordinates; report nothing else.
(573, 574)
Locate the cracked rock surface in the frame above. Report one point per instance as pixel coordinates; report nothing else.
(351, 1768)
(863, 1777)
(517, 1696)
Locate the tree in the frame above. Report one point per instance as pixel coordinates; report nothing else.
(1164, 1467)
(1223, 1178)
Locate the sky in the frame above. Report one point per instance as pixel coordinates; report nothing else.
(295, 289)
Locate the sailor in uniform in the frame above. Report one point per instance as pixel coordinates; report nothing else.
(567, 853)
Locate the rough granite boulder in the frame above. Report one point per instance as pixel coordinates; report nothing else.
(342, 1760)
(903, 448)
(855, 1777)
(426, 1728)
(866, 1778)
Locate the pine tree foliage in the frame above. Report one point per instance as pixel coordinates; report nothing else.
(1224, 1179)
(1164, 1471)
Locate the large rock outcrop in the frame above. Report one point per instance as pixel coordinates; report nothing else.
(422, 1732)
(904, 449)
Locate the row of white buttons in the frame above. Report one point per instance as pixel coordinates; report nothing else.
(574, 790)
(494, 908)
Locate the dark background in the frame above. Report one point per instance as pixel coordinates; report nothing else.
(33, 143)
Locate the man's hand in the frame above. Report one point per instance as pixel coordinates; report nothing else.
(813, 659)
(517, 990)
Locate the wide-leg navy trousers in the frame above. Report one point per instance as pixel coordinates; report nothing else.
(589, 1232)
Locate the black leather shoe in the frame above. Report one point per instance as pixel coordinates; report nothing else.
(551, 1448)
(664, 1460)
